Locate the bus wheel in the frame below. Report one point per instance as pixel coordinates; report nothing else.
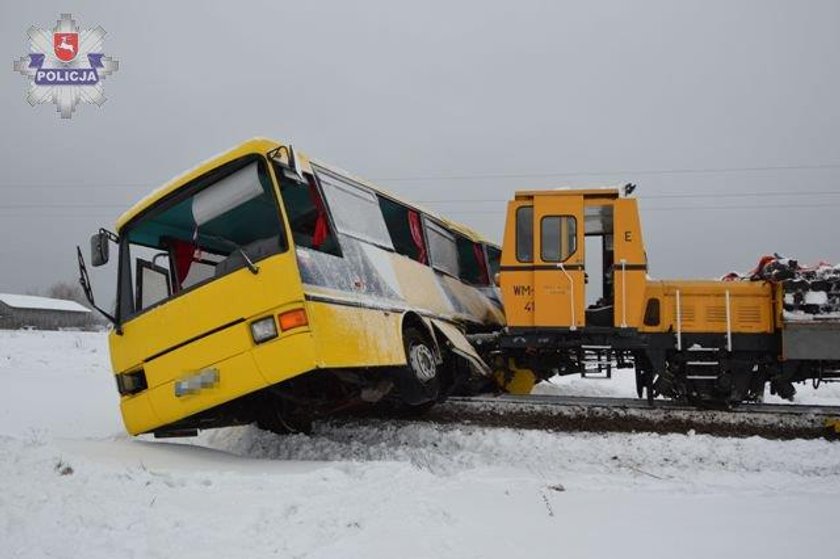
(272, 418)
(418, 382)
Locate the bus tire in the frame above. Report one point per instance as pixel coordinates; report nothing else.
(274, 419)
(418, 382)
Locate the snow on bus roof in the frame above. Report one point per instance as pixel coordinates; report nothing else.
(465, 230)
(263, 145)
(40, 303)
(256, 144)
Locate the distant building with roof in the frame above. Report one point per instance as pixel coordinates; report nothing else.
(42, 313)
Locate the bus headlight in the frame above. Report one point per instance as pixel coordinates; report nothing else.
(263, 330)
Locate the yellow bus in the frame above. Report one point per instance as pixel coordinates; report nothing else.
(265, 286)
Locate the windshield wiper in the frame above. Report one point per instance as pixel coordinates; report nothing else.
(253, 268)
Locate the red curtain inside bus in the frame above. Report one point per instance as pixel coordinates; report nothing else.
(322, 226)
(417, 235)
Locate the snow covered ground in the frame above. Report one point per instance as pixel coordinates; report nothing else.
(72, 484)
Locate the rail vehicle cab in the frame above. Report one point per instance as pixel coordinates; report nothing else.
(572, 259)
(578, 298)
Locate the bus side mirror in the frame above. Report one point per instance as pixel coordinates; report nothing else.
(99, 249)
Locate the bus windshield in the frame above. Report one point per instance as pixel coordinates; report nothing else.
(224, 221)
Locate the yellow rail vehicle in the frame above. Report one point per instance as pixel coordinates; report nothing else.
(716, 341)
(266, 286)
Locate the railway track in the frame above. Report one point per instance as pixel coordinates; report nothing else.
(576, 413)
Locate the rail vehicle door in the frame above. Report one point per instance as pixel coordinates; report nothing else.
(517, 264)
(559, 274)
(630, 264)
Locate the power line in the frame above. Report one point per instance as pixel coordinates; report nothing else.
(484, 176)
(751, 207)
(61, 216)
(687, 171)
(149, 185)
(62, 206)
(742, 207)
(691, 208)
(745, 194)
(642, 198)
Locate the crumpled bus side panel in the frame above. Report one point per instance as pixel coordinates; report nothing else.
(356, 302)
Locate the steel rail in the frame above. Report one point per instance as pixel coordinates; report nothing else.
(601, 414)
(642, 404)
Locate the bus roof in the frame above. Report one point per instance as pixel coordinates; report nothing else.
(263, 146)
(254, 145)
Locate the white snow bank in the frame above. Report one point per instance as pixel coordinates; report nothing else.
(416, 491)
(594, 461)
(57, 382)
(73, 485)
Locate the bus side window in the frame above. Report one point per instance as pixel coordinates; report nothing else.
(406, 230)
(494, 259)
(308, 218)
(443, 249)
(471, 262)
(354, 208)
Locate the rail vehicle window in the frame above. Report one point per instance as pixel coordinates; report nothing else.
(558, 238)
(226, 220)
(471, 262)
(525, 234)
(652, 312)
(494, 260)
(307, 213)
(355, 209)
(442, 248)
(405, 225)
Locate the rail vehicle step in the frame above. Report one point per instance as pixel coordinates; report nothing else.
(597, 372)
(703, 370)
(601, 365)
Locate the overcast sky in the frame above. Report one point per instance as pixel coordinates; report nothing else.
(454, 103)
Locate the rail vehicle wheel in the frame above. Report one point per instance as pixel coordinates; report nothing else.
(646, 384)
(640, 382)
(418, 383)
